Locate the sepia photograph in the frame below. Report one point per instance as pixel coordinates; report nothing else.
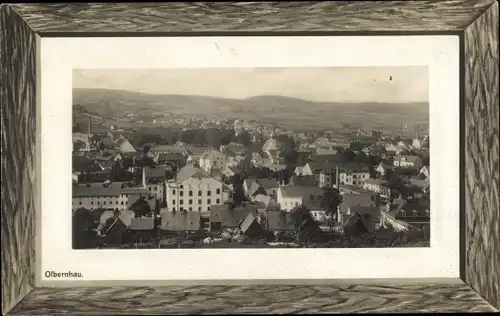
(263, 157)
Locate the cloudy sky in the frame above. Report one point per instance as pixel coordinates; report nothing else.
(351, 84)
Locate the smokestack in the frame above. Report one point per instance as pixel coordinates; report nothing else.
(90, 125)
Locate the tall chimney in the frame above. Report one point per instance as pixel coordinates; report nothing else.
(90, 125)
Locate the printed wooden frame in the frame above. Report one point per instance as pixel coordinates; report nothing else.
(476, 22)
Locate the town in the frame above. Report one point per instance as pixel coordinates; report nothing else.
(235, 183)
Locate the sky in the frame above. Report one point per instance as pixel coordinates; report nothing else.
(337, 84)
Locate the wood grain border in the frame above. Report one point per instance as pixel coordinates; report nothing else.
(475, 20)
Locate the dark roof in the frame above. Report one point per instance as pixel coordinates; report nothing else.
(267, 183)
(190, 171)
(370, 210)
(279, 221)
(352, 167)
(301, 191)
(420, 206)
(141, 191)
(155, 172)
(251, 225)
(355, 200)
(362, 222)
(303, 181)
(97, 189)
(312, 202)
(253, 187)
(125, 217)
(144, 223)
(170, 157)
(180, 221)
(231, 217)
(327, 158)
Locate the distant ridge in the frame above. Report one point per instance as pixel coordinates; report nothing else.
(271, 108)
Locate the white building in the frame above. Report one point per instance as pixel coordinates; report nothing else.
(289, 197)
(353, 177)
(195, 190)
(403, 161)
(107, 195)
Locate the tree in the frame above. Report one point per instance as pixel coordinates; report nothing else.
(330, 201)
(426, 160)
(361, 157)
(394, 182)
(299, 218)
(373, 161)
(83, 223)
(244, 138)
(238, 191)
(213, 137)
(141, 208)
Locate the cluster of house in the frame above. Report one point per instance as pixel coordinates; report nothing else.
(186, 191)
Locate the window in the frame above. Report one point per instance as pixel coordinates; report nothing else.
(173, 209)
(209, 193)
(199, 201)
(190, 193)
(91, 202)
(190, 202)
(218, 191)
(173, 202)
(182, 187)
(80, 203)
(190, 209)
(208, 208)
(149, 188)
(200, 193)
(209, 201)
(173, 191)
(181, 193)
(218, 201)
(199, 208)
(181, 202)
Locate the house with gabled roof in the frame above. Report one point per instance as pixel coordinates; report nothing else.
(174, 159)
(124, 146)
(425, 172)
(252, 228)
(113, 225)
(195, 190)
(227, 216)
(415, 212)
(310, 181)
(351, 201)
(362, 219)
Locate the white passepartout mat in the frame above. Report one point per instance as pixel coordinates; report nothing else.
(61, 56)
